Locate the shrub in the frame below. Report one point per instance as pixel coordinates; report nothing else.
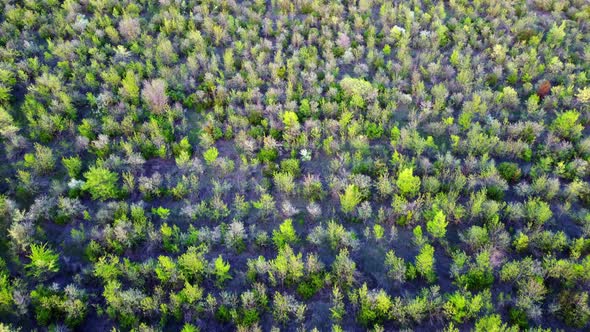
(437, 227)
(343, 269)
(43, 261)
(284, 182)
(210, 155)
(425, 263)
(574, 309)
(396, 267)
(290, 120)
(460, 307)
(544, 89)
(192, 264)
(221, 270)
(285, 234)
(509, 171)
(291, 166)
(161, 212)
(537, 211)
(42, 161)
(493, 323)
(407, 183)
(350, 199)
(73, 165)
(53, 306)
(101, 183)
(566, 125)
(357, 87)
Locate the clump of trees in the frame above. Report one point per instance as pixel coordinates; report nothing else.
(221, 165)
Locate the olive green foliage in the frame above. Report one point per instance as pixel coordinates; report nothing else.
(407, 183)
(285, 234)
(437, 227)
(210, 155)
(73, 165)
(350, 198)
(294, 165)
(221, 270)
(425, 263)
(44, 261)
(566, 125)
(101, 183)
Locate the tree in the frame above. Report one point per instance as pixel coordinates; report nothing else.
(73, 165)
(101, 183)
(130, 87)
(566, 125)
(407, 183)
(43, 261)
(221, 270)
(509, 171)
(290, 120)
(350, 199)
(285, 235)
(425, 263)
(210, 155)
(437, 227)
(574, 308)
(537, 211)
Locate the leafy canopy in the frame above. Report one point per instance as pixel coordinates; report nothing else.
(101, 183)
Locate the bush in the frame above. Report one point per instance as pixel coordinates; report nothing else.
(210, 155)
(101, 183)
(154, 95)
(407, 183)
(221, 270)
(285, 234)
(566, 125)
(43, 261)
(437, 227)
(425, 263)
(537, 211)
(73, 165)
(350, 199)
(509, 171)
(574, 309)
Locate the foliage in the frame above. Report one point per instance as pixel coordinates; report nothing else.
(210, 155)
(285, 161)
(407, 183)
(101, 183)
(221, 270)
(425, 263)
(437, 227)
(566, 125)
(350, 198)
(44, 261)
(285, 234)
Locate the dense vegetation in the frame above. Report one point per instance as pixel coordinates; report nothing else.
(294, 165)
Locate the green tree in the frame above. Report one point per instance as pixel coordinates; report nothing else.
(425, 263)
(101, 183)
(43, 261)
(566, 125)
(285, 234)
(437, 227)
(407, 183)
(221, 270)
(73, 165)
(537, 211)
(290, 120)
(350, 199)
(211, 155)
(130, 87)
